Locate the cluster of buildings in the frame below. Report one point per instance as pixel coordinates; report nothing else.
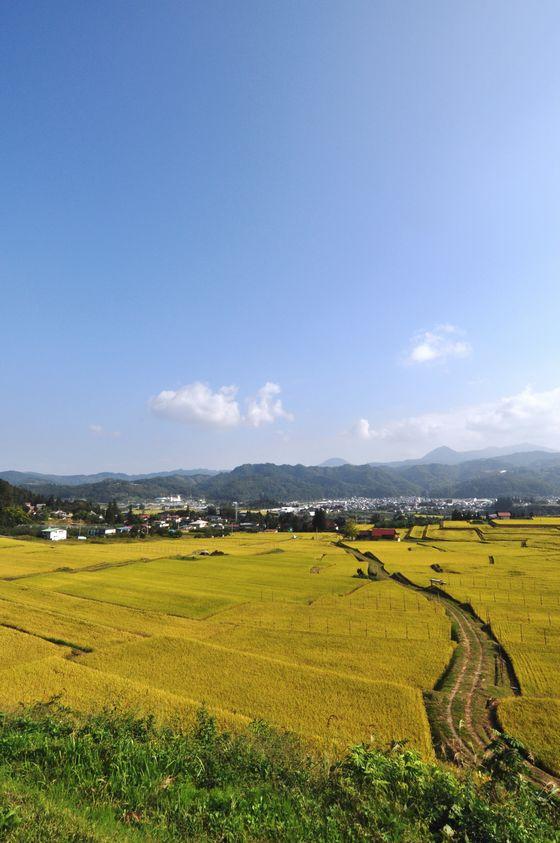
(176, 502)
(56, 534)
(176, 514)
(405, 505)
(148, 524)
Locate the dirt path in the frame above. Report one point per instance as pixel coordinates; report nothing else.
(462, 706)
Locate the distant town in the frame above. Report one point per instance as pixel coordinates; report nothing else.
(173, 516)
(442, 485)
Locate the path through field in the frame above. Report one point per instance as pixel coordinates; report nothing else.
(462, 706)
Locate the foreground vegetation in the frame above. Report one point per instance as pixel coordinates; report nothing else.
(110, 777)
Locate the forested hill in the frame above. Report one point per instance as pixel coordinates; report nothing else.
(33, 479)
(247, 482)
(534, 473)
(14, 495)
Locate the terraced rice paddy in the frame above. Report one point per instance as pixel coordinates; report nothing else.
(512, 581)
(281, 629)
(275, 628)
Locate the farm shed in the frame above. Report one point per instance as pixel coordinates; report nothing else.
(377, 533)
(54, 534)
(384, 533)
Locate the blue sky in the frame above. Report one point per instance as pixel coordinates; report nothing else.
(259, 231)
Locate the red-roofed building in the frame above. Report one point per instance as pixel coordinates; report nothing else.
(378, 533)
(504, 515)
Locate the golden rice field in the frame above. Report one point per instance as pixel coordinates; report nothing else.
(275, 628)
(450, 533)
(537, 722)
(457, 525)
(280, 629)
(512, 580)
(528, 522)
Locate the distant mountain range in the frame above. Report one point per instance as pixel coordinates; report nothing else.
(447, 456)
(441, 473)
(334, 462)
(31, 479)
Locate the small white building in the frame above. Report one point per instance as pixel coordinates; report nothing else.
(169, 501)
(198, 525)
(54, 534)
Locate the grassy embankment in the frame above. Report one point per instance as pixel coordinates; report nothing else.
(109, 778)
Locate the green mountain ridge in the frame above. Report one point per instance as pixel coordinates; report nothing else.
(535, 473)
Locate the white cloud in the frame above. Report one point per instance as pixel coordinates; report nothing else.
(264, 408)
(363, 429)
(440, 343)
(526, 415)
(99, 431)
(196, 403)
